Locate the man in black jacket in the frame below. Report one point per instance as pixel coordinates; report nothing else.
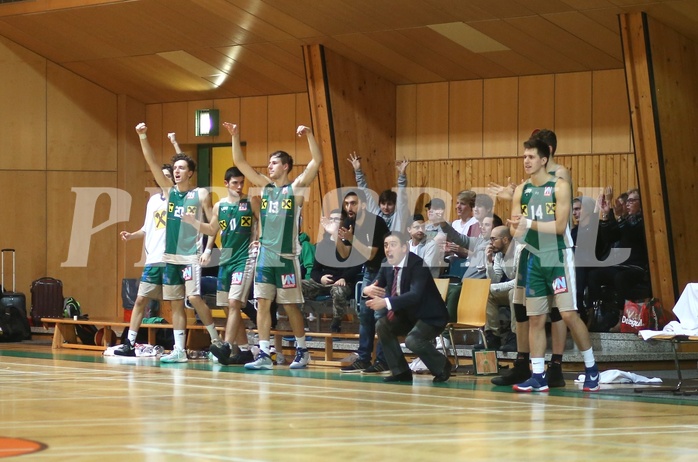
(415, 309)
(329, 276)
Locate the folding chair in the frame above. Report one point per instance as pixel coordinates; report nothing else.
(442, 285)
(472, 312)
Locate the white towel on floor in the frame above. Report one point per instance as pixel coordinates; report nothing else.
(616, 376)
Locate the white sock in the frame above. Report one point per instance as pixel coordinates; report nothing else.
(179, 338)
(264, 346)
(588, 356)
(132, 334)
(538, 365)
(244, 347)
(300, 342)
(211, 328)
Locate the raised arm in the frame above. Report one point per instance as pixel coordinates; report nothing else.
(162, 181)
(239, 159)
(355, 161)
(307, 177)
(173, 140)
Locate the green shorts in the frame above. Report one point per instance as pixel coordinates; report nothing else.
(151, 281)
(278, 278)
(180, 281)
(234, 282)
(550, 281)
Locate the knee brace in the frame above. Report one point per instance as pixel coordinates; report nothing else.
(555, 315)
(520, 313)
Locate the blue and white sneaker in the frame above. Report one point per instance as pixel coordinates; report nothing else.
(591, 378)
(537, 382)
(301, 360)
(263, 362)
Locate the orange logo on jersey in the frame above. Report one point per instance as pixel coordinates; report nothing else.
(287, 204)
(246, 221)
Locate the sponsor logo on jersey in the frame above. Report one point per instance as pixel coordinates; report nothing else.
(524, 210)
(243, 206)
(246, 221)
(288, 281)
(287, 204)
(264, 204)
(550, 208)
(191, 209)
(187, 273)
(160, 219)
(236, 279)
(284, 190)
(170, 207)
(191, 194)
(548, 191)
(560, 285)
(223, 224)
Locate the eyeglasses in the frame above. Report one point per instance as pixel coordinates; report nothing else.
(632, 199)
(493, 238)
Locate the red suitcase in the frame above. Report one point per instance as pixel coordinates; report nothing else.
(47, 299)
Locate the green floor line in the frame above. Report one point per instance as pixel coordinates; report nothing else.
(325, 374)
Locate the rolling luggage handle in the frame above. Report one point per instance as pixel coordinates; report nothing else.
(14, 280)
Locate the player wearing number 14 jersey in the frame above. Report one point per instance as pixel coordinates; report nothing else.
(544, 203)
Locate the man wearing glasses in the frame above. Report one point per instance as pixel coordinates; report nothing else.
(502, 255)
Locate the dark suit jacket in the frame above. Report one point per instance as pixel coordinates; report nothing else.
(419, 297)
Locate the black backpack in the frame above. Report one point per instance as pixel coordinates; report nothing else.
(11, 325)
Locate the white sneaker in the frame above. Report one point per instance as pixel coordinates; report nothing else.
(301, 360)
(263, 362)
(177, 355)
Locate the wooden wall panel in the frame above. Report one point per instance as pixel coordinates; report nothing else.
(81, 132)
(611, 114)
(174, 120)
(573, 112)
(28, 212)
(253, 129)
(95, 284)
(362, 107)
(406, 122)
(281, 123)
(447, 177)
(675, 67)
(500, 116)
(432, 121)
(303, 118)
(229, 112)
(153, 120)
(536, 106)
(23, 96)
(465, 121)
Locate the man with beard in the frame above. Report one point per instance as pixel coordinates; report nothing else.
(361, 241)
(427, 249)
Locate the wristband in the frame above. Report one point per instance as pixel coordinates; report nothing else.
(527, 224)
(207, 251)
(142, 136)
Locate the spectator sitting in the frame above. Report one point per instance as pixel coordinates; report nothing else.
(329, 276)
(502, 260)
(629, 279)
(428, 249)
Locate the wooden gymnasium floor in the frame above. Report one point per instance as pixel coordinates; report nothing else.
(79, 406)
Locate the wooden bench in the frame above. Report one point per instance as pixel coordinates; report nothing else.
(329, 337)
(64, 335)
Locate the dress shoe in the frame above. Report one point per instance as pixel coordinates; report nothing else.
(445, 374)
(403, 377)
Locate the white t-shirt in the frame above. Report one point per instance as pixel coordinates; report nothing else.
(154, 229)
(463, 227)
